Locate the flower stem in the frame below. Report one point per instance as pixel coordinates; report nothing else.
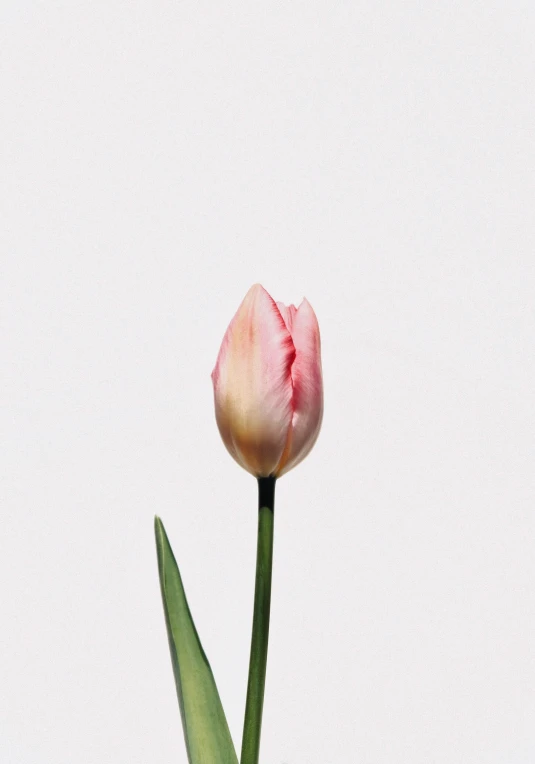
(259, 640)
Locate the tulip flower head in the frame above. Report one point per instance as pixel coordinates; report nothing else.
(268, 387)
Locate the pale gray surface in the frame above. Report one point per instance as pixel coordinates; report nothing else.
(157, 159)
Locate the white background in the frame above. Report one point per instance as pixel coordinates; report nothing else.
(158, 158)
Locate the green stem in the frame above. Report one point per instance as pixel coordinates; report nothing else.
(259, 640)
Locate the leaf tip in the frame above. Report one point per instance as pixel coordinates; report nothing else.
(161, 536)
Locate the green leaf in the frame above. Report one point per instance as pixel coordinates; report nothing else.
(206, 731)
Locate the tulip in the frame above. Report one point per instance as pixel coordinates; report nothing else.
(268, 394)
(268, 388)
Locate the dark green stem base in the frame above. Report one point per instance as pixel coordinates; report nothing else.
(259, 641)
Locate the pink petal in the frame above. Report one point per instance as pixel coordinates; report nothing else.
(253, 384)
(307, 387)
(288, 313)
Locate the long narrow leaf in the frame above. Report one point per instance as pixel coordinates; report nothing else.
(206, 731)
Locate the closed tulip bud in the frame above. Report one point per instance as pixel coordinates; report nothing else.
(268, 387)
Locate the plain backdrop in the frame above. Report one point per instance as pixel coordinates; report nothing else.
(158, 158)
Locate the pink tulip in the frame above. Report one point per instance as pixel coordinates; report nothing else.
(268, 387)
